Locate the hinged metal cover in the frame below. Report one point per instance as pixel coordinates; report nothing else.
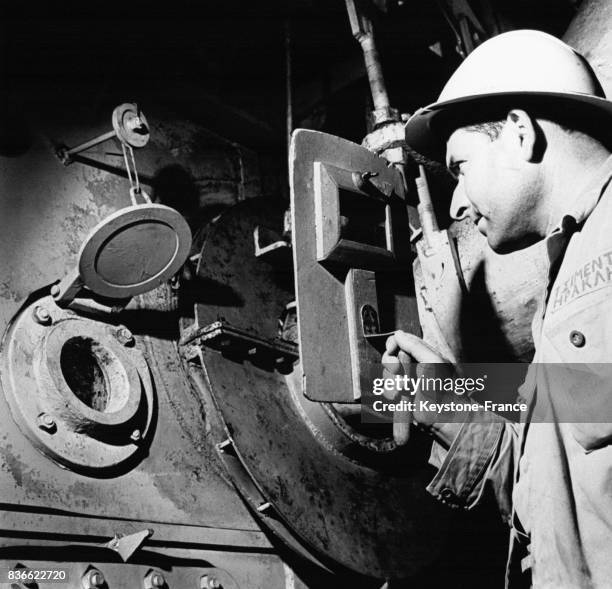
(348, 214)
(134, 250)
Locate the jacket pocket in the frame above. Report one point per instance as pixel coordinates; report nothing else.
(575, 377)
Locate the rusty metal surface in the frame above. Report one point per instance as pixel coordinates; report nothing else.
(46, 212)
(590, 33)
(193, 569)
(177, 481)
(78, 391)
(52, 208)
(93, 530)
(362, 506)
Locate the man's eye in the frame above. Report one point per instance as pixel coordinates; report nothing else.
(456, 169)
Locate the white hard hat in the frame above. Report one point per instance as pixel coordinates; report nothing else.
(517, 69)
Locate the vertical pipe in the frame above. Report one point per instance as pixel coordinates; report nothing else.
(288, 84)
(363, 31)
(380, 98)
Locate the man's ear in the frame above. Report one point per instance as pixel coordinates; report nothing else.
(522, 132)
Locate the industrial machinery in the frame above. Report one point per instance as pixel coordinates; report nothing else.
(181, 392)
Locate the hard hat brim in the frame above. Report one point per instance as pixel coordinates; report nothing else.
(429, 128)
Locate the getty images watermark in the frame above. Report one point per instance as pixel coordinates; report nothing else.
(560, 393)
(404, 385)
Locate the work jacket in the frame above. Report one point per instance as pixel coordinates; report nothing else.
(551, 473)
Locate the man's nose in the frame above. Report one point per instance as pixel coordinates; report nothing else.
(460, 206)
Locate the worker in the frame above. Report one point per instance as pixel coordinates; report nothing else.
(524, 126)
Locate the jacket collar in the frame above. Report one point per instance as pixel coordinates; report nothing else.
(586, 201)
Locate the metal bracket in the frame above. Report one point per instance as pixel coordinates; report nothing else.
(129, 126)
(126, 546)
(270, 246)
(65, 294)
(221, 336)
(468, 30)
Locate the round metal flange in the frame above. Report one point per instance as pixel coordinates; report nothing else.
(75, 390)
(134, 250)
(130, 125)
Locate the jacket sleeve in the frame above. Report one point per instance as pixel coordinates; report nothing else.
(483, 454)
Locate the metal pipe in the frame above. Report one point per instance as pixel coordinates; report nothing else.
(380, 98)
(288, 84)
(429, 224)
(363, 31)
(90, 143)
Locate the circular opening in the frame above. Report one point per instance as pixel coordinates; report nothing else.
(82, 361)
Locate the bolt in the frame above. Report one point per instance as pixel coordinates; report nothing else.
(124, 335)
(46, 423)
(136, 435)
(41, 315)
(93, 579)
(154, 580)
(207, 582)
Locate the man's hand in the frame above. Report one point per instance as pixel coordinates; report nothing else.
(401, 349)
(413, 346)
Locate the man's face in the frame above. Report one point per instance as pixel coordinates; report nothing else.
(495, 187)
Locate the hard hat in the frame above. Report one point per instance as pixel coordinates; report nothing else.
(517, 69)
